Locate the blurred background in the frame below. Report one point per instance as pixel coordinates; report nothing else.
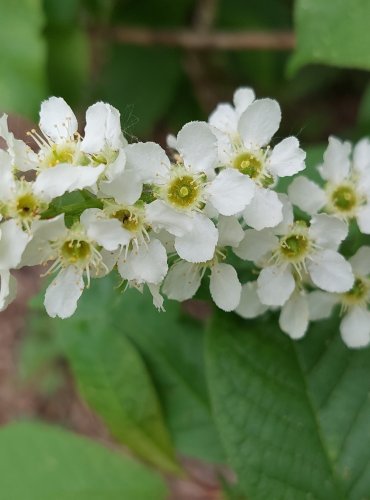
(163, 63)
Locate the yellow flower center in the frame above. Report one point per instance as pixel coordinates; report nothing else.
(358, 294)
(184, 191)
(76, 251)
(248, 164)
(128, 219)
(344, 198)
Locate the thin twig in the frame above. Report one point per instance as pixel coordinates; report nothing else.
(191, 39)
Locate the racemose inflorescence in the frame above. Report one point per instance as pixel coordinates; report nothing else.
(87, 205)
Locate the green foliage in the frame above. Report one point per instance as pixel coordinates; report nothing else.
(334, 33)
(39, 462)
(22, 57)
(110, 325)
(293, 416)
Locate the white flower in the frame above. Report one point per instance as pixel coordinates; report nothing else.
(184, 278)
(8, 289)
(75, 255)
(249, 153)
(296, 252)
(22, 156)
(346, 192)
(355, 324)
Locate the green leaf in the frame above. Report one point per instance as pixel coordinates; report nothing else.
(332, 32)
(22, 57)
(293, 415)
(40, 462)
(172, 346)
(114, 381)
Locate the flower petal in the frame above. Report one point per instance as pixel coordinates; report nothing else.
(199, 244)
(293, 318)
(147, 264)
(57, 120)
(287, 158)
(182, 281)
(259, 122)
(363, 219)
(13, 242)
(225, 287)
(224, 118)
(330, 271)
(63, 293)
(108, 233)
(306, 195)
(230, 192)
(360, 261)
(275, 285)
(243, 97)
(265, 210)
(161, 216)
(355, 328)
(327, 231)
(361, 155)
(123, 183)
(320, 304)
(103, 128)
(148, 160)
(250, 305)
(197, 144)
(8, 289)
(336, 160)
(39, 250)
(230, 232)
(65, 178)
(256, 244)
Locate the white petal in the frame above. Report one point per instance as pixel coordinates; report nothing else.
(8, 289)
(171, 141)
(108, 233)
(360, 261)
(293, 318)
(126, 188)
(224, 118)
(265, 210)
(199, 244)
(361, 155)
(225, 287)
(161, 216)
(363, 219)
(355, 328)
(103, 128)
(230, 232)
(306, 195)
(57, 119)
(287, 158)
(197, 144)
(320, 304)
(275, 285)
(336, 160)
(243, 97)
(65, 178)
(182, 281)
(230, 192)
(148, 160)
(330, 271)
(327, 231)
(63, 293)
(256, 244)
(13, 241)
(39, 250)
(7, 181)
(288, 216)
(156, 295)
(147, 264)
(250, 305)
(259, 122)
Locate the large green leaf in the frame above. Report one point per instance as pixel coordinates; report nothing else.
(114, 381)
(293, 416)
(332, 32)
(39, 462)
(22, 57)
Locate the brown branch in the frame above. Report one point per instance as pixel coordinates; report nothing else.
(191, 39)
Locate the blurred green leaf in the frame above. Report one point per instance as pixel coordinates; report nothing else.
(334, 33)
(22, 57)
(141, 83)
(40, 462)
(113, 379)
(293, 415)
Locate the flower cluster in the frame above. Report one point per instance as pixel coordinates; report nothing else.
(85, 205)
